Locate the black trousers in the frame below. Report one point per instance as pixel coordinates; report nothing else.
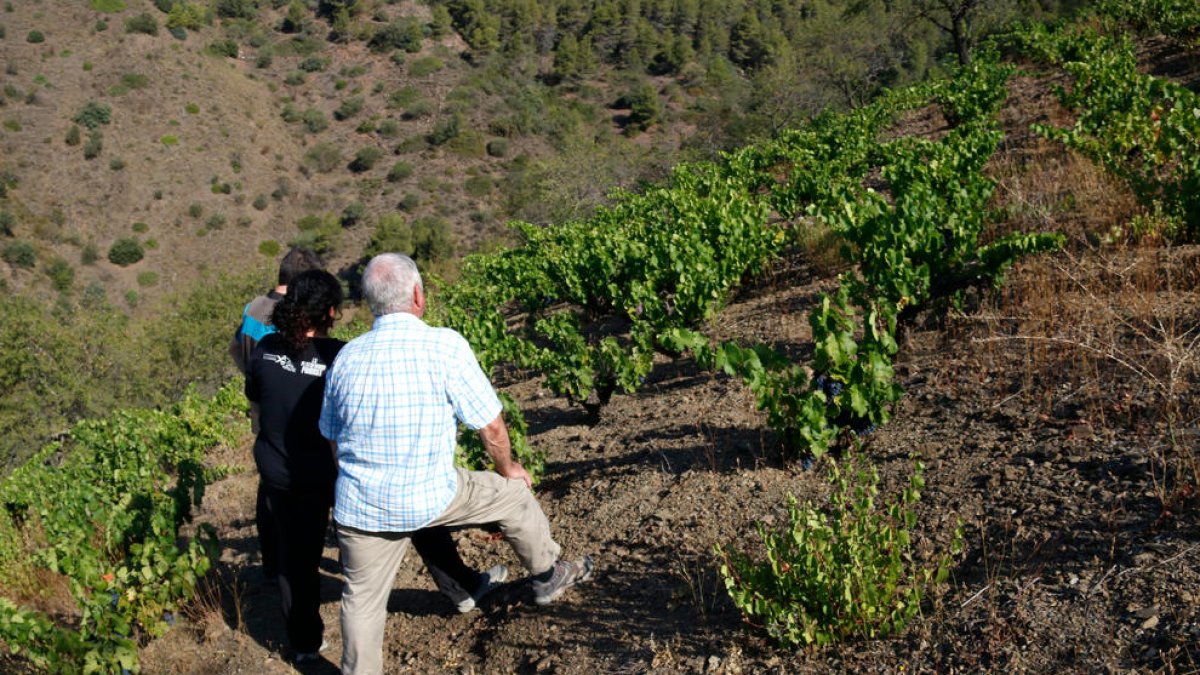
(268, 543)
(300, 520)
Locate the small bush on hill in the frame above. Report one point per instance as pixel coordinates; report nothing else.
(35, 37)
(389, 128)
(61, 274)
(73, 135)
(432, 239)
(349, 108)
(93, 115)
(318, 232)
(147, 279)
(95, 143)
(425, 66)
(19, 254)
(226, 48)
(125, 251)
(404, 33)
(314, 120)
(445, 130)
(312, 64)
(353, 214)
(140, 227)
(7, 221)
(89, 254)
(260, 202)
(142, 23)
(497, 147)
(399, 171)
(365, 159)
(269, 248)
(324, 157)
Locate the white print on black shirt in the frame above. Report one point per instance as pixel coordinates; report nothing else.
(314, 367)
(281, 359)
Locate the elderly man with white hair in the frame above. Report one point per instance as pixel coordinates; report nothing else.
(392, 400)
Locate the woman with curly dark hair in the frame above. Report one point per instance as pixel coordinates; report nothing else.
(285, 376)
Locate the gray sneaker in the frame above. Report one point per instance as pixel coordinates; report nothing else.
(564, 574)
(464, 601)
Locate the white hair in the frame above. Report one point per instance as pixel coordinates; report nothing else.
(388, 283)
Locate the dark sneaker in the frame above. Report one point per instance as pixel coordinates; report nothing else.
(564, 574)
(464, 601)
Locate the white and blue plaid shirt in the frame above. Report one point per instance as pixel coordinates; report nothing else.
(391, 401)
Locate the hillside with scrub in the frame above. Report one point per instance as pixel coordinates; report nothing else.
(906, 386)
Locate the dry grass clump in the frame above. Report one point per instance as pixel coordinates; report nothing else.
(1110, 338)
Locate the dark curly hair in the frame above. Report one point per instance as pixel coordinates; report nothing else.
(306, 307)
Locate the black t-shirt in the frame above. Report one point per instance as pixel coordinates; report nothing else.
(290, 451)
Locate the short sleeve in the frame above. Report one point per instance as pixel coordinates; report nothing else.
(475, 402)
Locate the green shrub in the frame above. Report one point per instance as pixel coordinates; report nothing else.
(399, 171)
(35, 37)
(19, 253)
(151, 244)
(419, 109)
(195, 210)
(73, 135)
(226, 48)
(411, 144)
(324, 157)
(404, 33)
(846, 573)
(125, 251)
(142, 23)
(424, 66)
(131, 298)
(392, 235)
(108, 6)
(294, 79)
(269, 248)
(365, 159)
(7, 221)
(89, 254)
(433, 240)
(353, 214)
(389, 128)
(263, 60)
(12, 125)
(312, 64)
(445, 130)
(169, 140)
(411, 201)
(147, 279)
(140, 227)
(349, 108)
(365, 127)
(100, 26)
(314, 120)
(319, 233)
(497, 147)
(187, 15)
(404, 97)
(215, 222)
(116, 164)
(235, 9)
(191, 109)
(260, 202)
(95, 144)
(61, 273)
(93, 115)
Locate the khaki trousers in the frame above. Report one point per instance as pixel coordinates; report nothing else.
(370, 559)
